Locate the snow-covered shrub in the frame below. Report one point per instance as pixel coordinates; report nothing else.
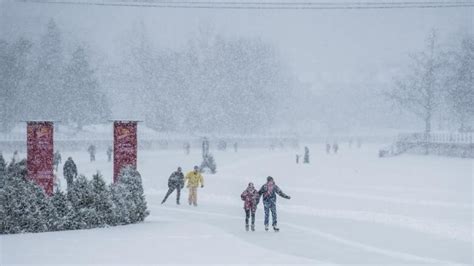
(24, 206)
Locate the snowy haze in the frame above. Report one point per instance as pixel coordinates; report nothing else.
(345, 209)
(339, 61)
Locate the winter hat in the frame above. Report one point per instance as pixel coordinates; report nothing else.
(196, 167)
(269, 178)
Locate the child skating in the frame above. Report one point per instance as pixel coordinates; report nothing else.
(250, 197)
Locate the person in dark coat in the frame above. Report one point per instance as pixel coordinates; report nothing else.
(268, 193)
(175, 181)
(91, 151)
(250, 197)
(306, 155)
(69, 172)
(109, 153)
(328, 148)
(56, 160)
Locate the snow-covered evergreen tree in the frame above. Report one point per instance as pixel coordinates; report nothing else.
(42, 212)
(64, 210)
(120, 208)
(82, 201)
(24, 206)
(3, 169)
(132, 192)
(17, 168)
(102, 198)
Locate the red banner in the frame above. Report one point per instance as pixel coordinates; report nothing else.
(40, 154)
(125, 145)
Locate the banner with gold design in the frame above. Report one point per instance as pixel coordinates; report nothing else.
(125, 145)
(40, 154)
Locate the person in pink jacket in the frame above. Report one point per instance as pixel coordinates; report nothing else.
(250, 197)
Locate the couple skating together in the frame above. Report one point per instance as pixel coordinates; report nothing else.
(251, 198)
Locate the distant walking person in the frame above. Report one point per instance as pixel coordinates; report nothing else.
(250, 197)
(306, 155)
(69, 172)
(56, 160)
(187, 148)
(109, 153)
(175, 181)
(268, 193)
(91, 151)
(16, 157)
(194, 179)
(335, 147)
(328, 148)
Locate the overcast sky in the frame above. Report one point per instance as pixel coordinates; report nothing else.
(321, 45)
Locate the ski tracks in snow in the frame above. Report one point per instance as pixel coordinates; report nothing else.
(432, 227)
(331, 237)
(426, 203)
(402, 221)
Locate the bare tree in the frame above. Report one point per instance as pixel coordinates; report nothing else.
(460, 83)
(419, 91)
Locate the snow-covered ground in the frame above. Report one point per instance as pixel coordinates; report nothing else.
(349, 208)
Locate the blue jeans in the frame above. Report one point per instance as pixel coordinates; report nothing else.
(267, 207)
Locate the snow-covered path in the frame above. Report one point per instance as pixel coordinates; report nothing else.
(350, 208)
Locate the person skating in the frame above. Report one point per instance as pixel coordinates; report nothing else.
(306, 155)
(236, 145)
(187, 148)
(16, 157)
(69, 172)
(91, 151)
(175, 181)
(250, 197)
(109, 153)
(268, 193)
(57, 160)
(335, 147)
(193, 180)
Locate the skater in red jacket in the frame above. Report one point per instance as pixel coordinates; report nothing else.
(250, 197)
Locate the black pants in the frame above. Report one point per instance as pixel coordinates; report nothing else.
(69, 181)
(249, 213)
(170, 190)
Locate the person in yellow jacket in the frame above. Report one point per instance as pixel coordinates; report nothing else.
(193, 180)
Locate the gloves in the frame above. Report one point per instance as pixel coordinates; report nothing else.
(202, 186)
(288, 197)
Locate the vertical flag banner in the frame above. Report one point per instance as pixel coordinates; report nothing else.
(125, 145)
(40, 154)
